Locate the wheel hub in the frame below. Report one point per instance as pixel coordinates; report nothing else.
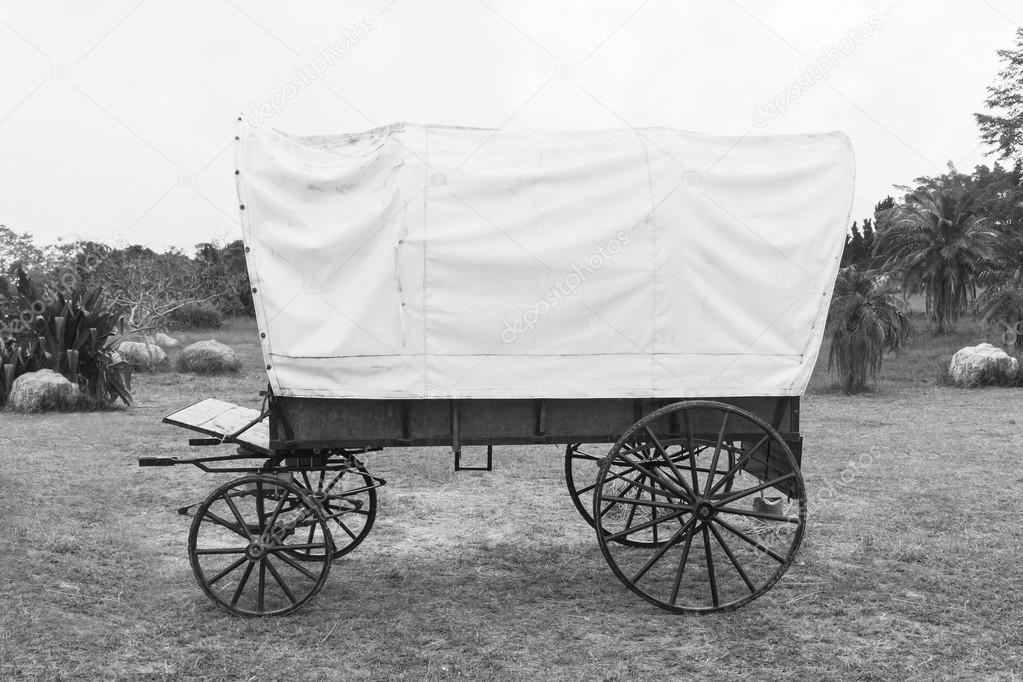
(255, 550)
(705, 510)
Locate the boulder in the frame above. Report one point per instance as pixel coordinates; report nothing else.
(165, 341)
(42, 390)
(142, 354)
(982, 365)
(208, 357)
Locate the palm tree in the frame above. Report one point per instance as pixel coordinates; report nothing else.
(867, 318)
(938, 244)
(1002, 299)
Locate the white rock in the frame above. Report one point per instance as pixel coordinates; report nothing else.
(42, 390)
(165, 341)
(982, 364)
(141, 354)
(208, 357)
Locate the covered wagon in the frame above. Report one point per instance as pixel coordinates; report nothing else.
(653, 300)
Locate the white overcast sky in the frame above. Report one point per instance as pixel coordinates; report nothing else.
(116, 118)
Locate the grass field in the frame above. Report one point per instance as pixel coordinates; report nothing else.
(910, 568)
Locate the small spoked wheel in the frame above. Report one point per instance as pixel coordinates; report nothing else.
(243, 544)
(719, 513)
(348, 497)
(582, 464)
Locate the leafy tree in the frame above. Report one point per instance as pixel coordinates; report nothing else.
(1001, 301)
(868, 242)
(996, 191)
(223, 274)
(867, 319)
(938, 244)
(854, 253)
(1003, 128)
(17, 249)
(147, 286)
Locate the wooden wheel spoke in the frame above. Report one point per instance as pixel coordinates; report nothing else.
(220, 521)
(305, 545)
(336, 515)
(261, 594)
(634, 483)
(670, 487)
(731, 557)
(280, 581)
(663, 550)
(682, 565)
(345, 528)
(667, 458)
(710, 566)
(755, 489)
(759, 545)
(632, 508)
(579, 454)
(351, 492)
(653, 515)
(643, 526)
(334, 482)
(280, 554)
(759, 515)
(237, 515)
(260, 507)
(739, 464)
(241, 585)
(221, 550)
(277, 509)
(717, 451)
(227, 570)
(649, 503)
(691, 441)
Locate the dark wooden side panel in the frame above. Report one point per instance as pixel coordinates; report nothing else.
(298, 423)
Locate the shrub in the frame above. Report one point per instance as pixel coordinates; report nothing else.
(69, 332)
(866, 320)
(196, 316)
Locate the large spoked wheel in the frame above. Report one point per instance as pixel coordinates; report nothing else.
(582, 464)
(243, 543)
(348, 497)
(717, 536)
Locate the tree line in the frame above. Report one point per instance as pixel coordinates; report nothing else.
(954, 238)
(146, 287)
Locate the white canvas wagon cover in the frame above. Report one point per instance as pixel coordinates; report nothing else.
(426, 261)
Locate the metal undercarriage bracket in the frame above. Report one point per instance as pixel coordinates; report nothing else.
(488, 467)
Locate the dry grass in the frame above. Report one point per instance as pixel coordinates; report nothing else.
(909, 570)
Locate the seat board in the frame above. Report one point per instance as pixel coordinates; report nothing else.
(220, 418)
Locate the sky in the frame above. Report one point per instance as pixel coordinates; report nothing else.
(117, 118)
